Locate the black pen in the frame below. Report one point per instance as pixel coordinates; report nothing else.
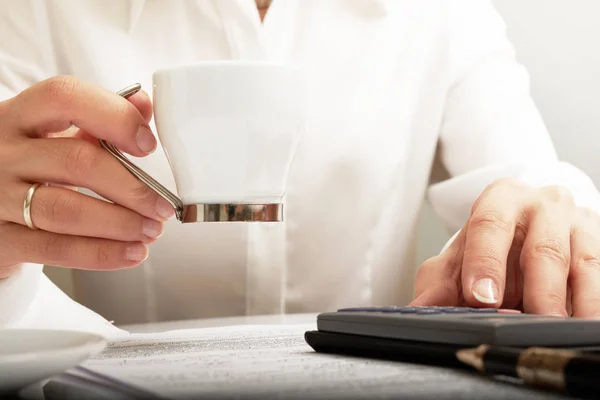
(570, 371)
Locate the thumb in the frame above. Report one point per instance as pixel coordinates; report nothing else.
(445, 295)
(438, 279)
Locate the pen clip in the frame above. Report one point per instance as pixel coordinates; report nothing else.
(165, 193)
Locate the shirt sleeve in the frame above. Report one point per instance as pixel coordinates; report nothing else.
(491, 127)
(25, 49)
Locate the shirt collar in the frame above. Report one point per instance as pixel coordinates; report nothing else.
(366, 8)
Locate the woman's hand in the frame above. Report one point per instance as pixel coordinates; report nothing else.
(522, 248)
(39, 144)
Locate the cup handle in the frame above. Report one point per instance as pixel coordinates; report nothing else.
(226, 212)
(138, 172)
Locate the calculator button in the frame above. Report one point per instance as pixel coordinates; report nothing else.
(358, 309)
(398, 310)
(429, 311)
(401, 310)
(455, 310)
(483, 310)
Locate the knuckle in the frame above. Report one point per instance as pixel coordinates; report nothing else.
(490, 220)
(588, 214)
(550, 249)
(502, 187)
(103, 254)
(557, 194)
(130, 226)
(81, 158)
(588, 262)
(504, 183)
(126, 110)
(63, 210)
(540, 205)
(61, 89)
(552, 297)
(128, 117)
(55, 249)
(142, 194)
(488, 264)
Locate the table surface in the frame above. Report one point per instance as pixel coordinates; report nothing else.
(276, 319)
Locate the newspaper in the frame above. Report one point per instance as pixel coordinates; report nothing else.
(274, 361)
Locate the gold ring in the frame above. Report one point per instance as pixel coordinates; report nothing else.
(27, 206)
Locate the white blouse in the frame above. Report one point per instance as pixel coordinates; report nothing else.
(392, 84)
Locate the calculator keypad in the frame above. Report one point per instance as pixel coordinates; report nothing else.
(422, 310)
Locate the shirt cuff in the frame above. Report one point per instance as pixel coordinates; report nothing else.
(453, 199)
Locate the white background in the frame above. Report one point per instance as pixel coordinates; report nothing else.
(558, 41)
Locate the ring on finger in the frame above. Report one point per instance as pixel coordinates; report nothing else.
(27, 206)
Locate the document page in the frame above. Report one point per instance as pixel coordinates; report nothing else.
(274, 361)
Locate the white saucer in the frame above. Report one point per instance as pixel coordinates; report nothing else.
(28, 356)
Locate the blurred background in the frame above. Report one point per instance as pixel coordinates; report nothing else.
(558, 41)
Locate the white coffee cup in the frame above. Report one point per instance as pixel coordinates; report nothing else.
(230, 130)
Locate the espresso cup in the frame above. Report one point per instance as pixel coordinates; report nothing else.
(230, 130)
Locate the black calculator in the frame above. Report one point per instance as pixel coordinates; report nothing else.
(423, 332)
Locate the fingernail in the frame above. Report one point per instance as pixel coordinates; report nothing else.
(152, 228)
(136, 252)
(164, 209)
(558, 314)
(485, 291)
(145, 139)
